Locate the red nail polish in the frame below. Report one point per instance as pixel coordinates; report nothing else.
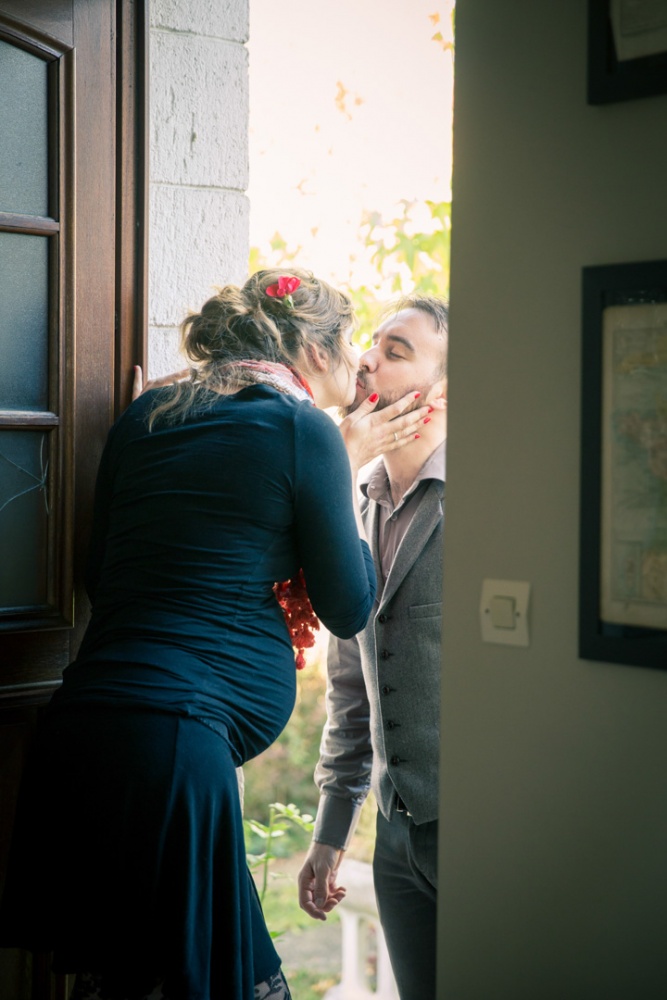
(373, 398)
(417, 436)
(417, 395)
(427, 420)
(430, 409)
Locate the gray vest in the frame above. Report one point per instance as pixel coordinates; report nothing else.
(401, 661)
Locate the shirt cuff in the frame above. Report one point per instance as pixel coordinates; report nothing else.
(336, 821)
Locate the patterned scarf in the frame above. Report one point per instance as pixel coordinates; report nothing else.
(281, 377)
(291, 595)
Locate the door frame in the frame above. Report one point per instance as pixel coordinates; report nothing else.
(98, 367)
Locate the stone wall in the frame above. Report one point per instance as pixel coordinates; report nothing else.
(199, 211)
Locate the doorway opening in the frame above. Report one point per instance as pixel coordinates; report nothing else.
(350, 171)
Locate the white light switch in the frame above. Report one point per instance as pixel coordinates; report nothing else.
(504, 612)
(501, 610)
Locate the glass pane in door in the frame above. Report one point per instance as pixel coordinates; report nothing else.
(23, 132)
(24, 322)
(24, 516)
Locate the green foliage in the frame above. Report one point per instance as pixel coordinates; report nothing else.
(279, 255)
(408, 253)
(281, 819)
(307, 985)
(444, 41)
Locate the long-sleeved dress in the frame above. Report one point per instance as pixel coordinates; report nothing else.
(128, 851)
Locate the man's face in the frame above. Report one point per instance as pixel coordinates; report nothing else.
(406, 356)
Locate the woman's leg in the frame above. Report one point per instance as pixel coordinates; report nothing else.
(273, 988)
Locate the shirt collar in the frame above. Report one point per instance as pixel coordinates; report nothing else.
(375, 482)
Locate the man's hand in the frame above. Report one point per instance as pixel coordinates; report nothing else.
(318, 892)
(138, 384)
(369, 433)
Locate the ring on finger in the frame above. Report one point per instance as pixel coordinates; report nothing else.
(395, 436)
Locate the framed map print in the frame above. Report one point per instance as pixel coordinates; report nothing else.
(623, 530)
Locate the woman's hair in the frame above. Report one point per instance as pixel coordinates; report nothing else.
(240, 324)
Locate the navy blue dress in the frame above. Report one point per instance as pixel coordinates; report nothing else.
(186, 671)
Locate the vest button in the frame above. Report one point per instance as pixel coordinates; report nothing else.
(382, 618)
(395, 761)
(386, 689)
(385, 654)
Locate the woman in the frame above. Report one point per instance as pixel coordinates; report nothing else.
(209, 493)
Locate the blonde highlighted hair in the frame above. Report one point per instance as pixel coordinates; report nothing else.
(245, 323)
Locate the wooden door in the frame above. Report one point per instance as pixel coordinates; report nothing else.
(72, 304)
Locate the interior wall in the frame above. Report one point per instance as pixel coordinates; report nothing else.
(553, 870)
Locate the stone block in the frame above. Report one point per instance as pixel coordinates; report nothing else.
(217, 18)
(198, 111)
(164, 356)
(198, 240)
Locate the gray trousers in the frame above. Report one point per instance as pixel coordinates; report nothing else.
(405, 877)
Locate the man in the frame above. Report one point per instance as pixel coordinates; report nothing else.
(383, 689)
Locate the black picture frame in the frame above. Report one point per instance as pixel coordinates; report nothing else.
(626, 285)
(611, 79)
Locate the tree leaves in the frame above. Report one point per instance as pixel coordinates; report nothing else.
(410, 253)
(281, 817)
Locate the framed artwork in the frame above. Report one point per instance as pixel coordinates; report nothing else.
(627, 49)
(623, 524)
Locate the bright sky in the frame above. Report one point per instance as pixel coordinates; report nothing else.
(350, 110)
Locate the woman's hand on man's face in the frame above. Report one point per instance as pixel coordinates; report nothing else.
(369, 432)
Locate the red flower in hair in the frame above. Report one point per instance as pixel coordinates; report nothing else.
(283, 289)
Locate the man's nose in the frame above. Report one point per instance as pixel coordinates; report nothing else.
(368, 360)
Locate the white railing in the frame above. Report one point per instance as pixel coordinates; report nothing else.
(366, 970)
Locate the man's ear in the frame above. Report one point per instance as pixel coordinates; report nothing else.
(437, 395)
(318, 358)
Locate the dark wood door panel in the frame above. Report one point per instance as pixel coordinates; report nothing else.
(100, 223)
(82, 153)
(16, 728)
(53, 18)
(28, 668)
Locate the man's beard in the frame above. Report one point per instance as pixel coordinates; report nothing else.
(387, 398)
